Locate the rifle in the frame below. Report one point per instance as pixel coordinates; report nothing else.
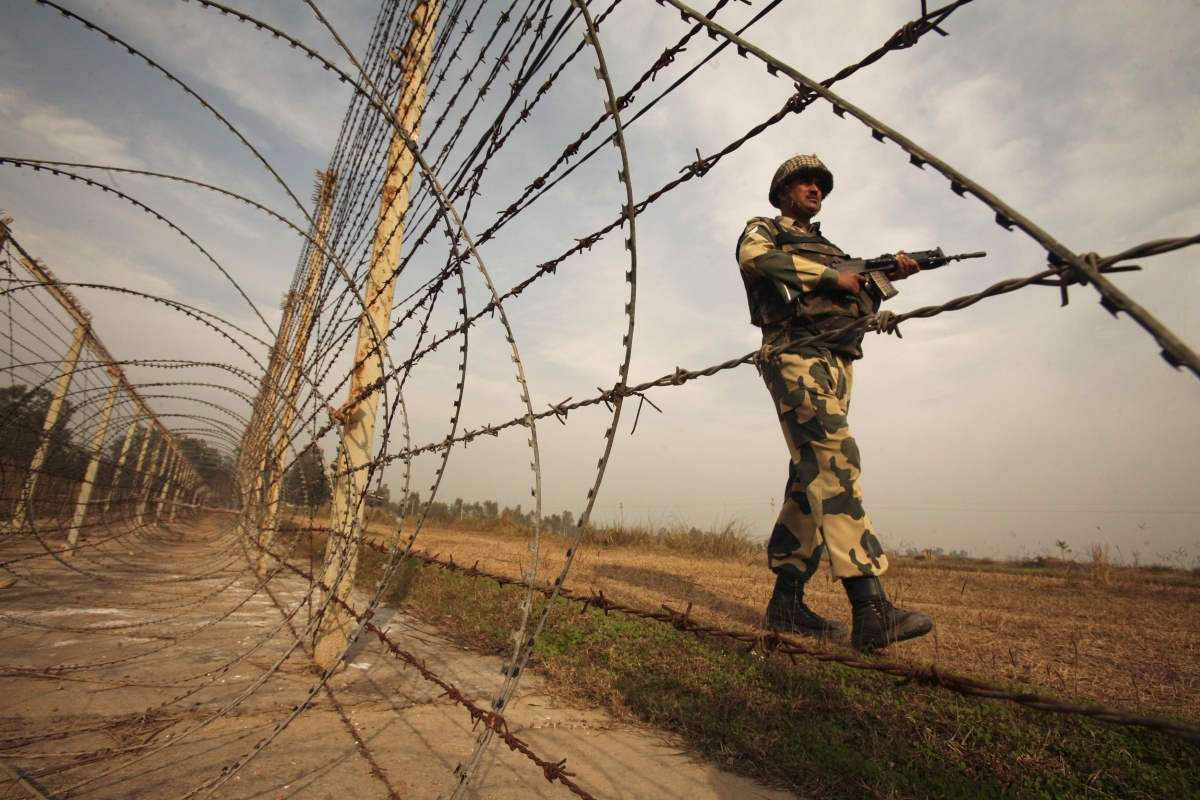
(878, 286)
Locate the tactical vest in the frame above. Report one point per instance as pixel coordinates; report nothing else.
(812, 312)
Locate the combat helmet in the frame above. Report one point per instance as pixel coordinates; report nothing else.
(796, 166)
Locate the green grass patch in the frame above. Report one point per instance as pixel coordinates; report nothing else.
(819, 729)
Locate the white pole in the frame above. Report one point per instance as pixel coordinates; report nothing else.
(89, 479)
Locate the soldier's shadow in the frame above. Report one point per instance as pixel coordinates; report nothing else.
(677, 591)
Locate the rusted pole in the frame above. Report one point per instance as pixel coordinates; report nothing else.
(89, 478)
(358, 415)
(324, 195)
(180, 489)
(252, 454)
(25, 503)
(256, 442)
(253, 516)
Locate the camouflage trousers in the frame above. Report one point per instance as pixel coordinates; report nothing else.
(822, 512)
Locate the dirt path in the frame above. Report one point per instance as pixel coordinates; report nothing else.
(146, 665)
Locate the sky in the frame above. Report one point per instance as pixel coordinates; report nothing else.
(998, 430)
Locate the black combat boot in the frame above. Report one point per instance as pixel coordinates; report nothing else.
(787, 612)
(878, 623)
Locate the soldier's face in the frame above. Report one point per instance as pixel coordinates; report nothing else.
(805, 196)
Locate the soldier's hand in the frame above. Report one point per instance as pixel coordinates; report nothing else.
(905, 266)
(851, 281)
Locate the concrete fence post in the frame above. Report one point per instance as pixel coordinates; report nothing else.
(291, 394)
(125, 445)
(359, 413)
(89, 478)
(168, 475)
(25, 504)
(147, 483)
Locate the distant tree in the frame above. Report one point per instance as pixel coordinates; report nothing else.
(383, 499)
(559, 523)
(213, 466)
(305, 482)
(22, 414)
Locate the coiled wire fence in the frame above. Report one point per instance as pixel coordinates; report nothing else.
(98, 483)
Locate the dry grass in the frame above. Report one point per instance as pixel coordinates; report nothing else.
(729, 540)
(1133, 642)
(822, 730)
(1101, 571)
(815, 728)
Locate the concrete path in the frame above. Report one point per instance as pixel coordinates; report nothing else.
(123, 668)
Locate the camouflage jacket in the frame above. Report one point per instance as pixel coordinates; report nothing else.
(779, 249)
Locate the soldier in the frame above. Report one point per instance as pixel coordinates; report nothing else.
(823, 511)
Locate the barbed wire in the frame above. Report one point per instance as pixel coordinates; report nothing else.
(772, 641)
(288, 409)
(1174, 350)
(492, 721)
(881, 322)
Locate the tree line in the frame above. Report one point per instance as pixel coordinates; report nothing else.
(306, 483)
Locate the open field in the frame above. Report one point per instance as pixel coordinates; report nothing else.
(1134, 644)
(820, 729)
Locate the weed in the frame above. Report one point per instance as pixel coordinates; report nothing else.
(728, 540)
(1101, 571)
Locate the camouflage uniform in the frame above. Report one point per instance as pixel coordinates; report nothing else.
(823, 509)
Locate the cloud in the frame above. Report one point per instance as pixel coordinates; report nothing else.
(30, 126)
(247, 67)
